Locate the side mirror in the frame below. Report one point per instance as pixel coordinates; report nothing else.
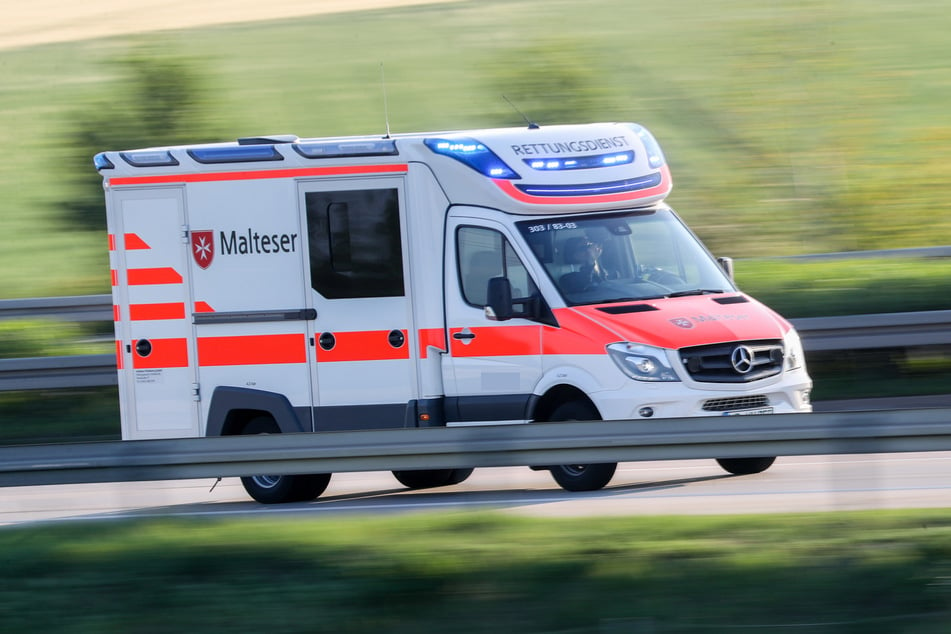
(727, 265)
(499, 300)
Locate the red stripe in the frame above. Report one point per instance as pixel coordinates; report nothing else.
(344, 170)
(431, 337)
(112, 242)
(166, 353)
(115, 312)
(115, 277)
(662, 188)
(252, 350)
(164, 275)
(370, 345)
(144, 312)
(202, 307)
(497, 341)
(134, 242)
(119, 363)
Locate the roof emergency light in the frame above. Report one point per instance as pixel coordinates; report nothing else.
(473, 154)
(655, 157)
(148, 158)
(102, 162)
(337, 149)
(580, 162)
(235, 154)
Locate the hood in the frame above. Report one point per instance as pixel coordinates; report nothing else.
(678, 322)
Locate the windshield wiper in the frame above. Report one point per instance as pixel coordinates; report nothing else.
(695, 291)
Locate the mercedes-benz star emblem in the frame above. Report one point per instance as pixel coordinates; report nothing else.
(742, 359)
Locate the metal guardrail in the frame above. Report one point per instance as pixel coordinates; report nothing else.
(885, 330)
(486, 446)
(75, 308)
(852, 332)
(49, 373)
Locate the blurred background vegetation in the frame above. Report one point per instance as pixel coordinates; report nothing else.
(791, 127)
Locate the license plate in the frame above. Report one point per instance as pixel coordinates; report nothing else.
(750, 412)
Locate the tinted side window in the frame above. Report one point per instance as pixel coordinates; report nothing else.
(355, 246)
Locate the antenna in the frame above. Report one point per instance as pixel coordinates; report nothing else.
(386, 110)
(531, 124)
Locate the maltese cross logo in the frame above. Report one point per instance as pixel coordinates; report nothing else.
(203, 248)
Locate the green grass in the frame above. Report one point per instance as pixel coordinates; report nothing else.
(797, 288)
(476, 572)
(792, 127)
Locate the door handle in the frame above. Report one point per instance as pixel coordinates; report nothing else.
(463, 335)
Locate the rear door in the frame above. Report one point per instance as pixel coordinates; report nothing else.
(365, 375)
(156, 352)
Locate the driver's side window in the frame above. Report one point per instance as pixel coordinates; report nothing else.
(483, 254)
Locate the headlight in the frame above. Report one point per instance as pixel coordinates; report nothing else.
(642, 363)
(795, 357)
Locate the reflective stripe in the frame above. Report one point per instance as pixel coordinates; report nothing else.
(252, 350)
(659, 189)
(497, 341)
(369, 345)
(143, 312)
(162, 275)
(112, 242)
(134, 242)
(203, 307)
(431, 337)
(344, 170)
(166, 353)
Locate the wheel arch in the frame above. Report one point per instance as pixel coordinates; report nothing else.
(556, 396)
(232, 407)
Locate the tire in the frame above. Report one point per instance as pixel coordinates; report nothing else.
(745, 466)
(580, 477)
(431, 478)
(280, 489)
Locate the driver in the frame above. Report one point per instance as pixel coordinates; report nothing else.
(584, 254)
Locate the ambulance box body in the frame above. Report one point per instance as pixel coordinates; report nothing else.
(279, 284)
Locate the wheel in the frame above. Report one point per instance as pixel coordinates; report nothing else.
(580, 477)
(430, 478)
(745, 466)
(280, 489)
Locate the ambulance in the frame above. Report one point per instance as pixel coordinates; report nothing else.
(499, 276)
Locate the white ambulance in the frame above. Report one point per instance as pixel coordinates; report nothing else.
(280, 285)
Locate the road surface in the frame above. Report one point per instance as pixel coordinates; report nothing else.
(793, 484)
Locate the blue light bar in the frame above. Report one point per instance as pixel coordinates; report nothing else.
(473, 154)
(580, 162)
(236, 154)
(102, 163)
(594, 189)
(655, 157)
(337, 149)
(148, 158)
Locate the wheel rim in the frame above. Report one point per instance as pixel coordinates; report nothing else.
(574, 469)
(267, 481)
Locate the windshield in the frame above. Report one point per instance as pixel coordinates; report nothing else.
(629, 256)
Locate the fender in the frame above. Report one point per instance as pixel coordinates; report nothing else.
(574, 376)
(231, 407)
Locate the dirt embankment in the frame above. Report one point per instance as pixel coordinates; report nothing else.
(31, 22)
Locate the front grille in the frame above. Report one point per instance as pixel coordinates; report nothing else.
(734, 362)
(735, 404)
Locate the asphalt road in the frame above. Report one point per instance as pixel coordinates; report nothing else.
(794, 484)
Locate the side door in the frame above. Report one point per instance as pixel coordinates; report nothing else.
(366, 344)
(492, 366)
(156, 347)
